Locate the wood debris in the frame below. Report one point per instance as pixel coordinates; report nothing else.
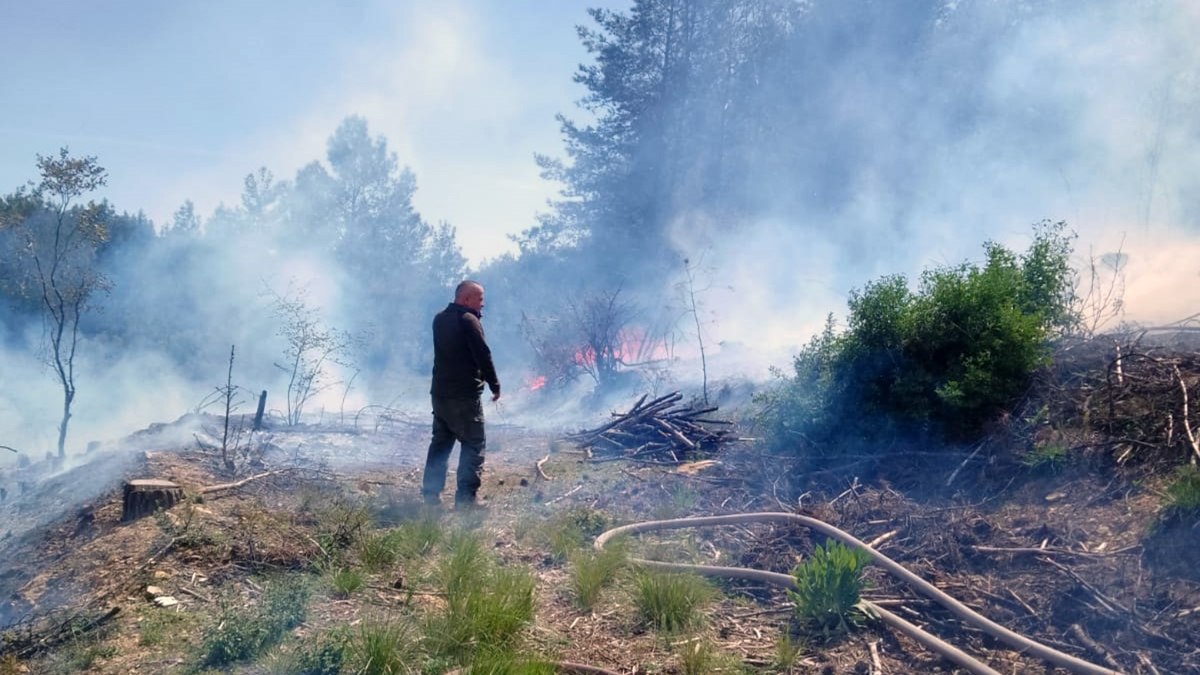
(658, 431)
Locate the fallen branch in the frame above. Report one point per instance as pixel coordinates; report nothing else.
(572, 491)
(538, 466)
(230, 486)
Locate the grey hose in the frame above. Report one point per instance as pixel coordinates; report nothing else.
(1020, 642)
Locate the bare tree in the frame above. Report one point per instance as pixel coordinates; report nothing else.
(601, 320)
(691, 305)
(56, 243)
(1104, 301)
(312, 347)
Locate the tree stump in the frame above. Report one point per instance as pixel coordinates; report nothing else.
(145, 496)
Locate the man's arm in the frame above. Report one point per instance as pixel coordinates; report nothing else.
(481, 353)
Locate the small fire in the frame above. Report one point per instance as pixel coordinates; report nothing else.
(537, 383)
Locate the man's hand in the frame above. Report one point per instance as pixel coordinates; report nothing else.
(496, 394)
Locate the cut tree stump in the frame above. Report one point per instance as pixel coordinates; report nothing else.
(144, 496)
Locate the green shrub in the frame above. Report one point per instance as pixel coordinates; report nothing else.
(670, 601)
(243, 634)
(325, 655)
(592, 570)
(942, 360)
(828, 587)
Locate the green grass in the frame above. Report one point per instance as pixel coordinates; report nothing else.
(384, 649)
(1049, 457)
(159, 624)
(346, 581)
(592, 570)
(787, 650)
(829, 586)
(487, 606)
(1183, 493)
(700, 657)
(417, 538)
(378, 551)
(1182, 502)
(570, 531)
(671, 602)
(508, 662)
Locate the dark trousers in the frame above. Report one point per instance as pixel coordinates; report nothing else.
(455, 419)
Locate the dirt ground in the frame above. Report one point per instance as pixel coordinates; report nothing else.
(1072, 559)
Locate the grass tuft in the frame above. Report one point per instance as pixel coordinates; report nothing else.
(486, 607)
(384, 649)
(700, 657)
(592, 570)
(1183, 494)
(378, 551)
(346, 581)
(670, 601)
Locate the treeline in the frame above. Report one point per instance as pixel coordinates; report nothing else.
(348, 222)
(334, 268)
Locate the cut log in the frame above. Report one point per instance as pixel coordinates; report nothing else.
(144, 496)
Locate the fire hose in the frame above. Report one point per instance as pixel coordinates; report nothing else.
(1020, 642)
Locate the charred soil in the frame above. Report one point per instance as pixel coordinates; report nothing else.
(1076, 556)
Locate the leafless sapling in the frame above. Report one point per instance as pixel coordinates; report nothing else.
(311, 347)
(55, 259)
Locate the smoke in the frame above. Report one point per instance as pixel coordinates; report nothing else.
(1005, 115)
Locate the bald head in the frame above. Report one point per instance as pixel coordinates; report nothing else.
(469, 294)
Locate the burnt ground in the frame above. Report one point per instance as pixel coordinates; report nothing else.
(1072, 558)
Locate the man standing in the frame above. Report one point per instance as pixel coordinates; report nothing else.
(462, 364)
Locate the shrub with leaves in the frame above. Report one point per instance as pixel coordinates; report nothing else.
(828, 587)
(943, 359)
(243, 634)
(324, 655)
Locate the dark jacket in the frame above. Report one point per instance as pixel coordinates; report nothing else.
(462, 361)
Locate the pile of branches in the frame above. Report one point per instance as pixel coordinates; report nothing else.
(1136, 393)
(660, 431)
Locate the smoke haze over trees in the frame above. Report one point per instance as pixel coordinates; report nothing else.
(800, 148)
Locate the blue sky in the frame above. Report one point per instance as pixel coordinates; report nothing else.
(180, 100)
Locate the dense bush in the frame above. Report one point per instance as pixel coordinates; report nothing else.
(938, 361)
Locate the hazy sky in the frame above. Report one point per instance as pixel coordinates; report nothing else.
(180, 100)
